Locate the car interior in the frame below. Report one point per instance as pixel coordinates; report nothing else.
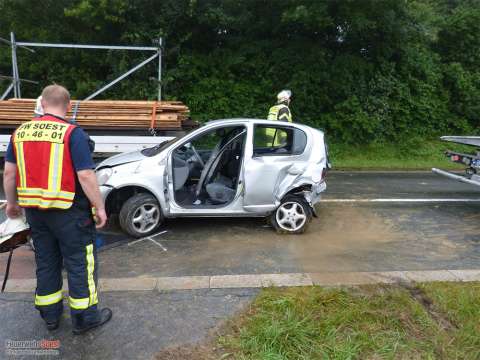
(206, 170)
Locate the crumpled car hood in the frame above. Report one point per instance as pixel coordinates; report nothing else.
(122, 159)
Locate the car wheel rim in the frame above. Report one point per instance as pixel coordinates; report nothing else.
(291, 216)
(146, 218)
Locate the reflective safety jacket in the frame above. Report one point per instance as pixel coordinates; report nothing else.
(45, 173)
(280, 112)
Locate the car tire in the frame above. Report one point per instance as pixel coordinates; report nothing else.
(292, 216)
(140, 215)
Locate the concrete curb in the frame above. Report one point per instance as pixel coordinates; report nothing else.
(143, 283)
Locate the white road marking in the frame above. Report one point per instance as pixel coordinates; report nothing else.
(150, 238)
(158, 234)
(163, 248)
(136, 241)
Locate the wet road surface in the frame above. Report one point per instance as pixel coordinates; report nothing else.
(345, 236)
(354, 236)
(143, 323)
(421, 185)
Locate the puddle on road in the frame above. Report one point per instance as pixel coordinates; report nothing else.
(245, 245)
(331, 242)
(345, 237)
(338, 234)
(349, 238)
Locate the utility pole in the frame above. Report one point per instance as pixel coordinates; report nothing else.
(159, 78)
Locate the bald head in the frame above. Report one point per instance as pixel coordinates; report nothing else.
(55, 100)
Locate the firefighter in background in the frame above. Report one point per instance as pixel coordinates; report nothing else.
(281, 111)
(49, 173)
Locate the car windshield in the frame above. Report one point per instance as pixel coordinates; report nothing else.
(154, 150)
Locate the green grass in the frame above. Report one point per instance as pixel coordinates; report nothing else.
(374, 322)
(461, 305)
(415, 155)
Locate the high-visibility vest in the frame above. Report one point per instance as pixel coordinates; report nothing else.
(275, 110)
(45, 172)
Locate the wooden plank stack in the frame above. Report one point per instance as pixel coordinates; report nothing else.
(106, 114)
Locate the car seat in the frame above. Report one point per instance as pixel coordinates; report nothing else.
(220, 191)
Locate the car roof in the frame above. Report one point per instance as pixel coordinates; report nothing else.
(257, 121)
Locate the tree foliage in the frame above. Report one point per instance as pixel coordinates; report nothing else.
(363, 70)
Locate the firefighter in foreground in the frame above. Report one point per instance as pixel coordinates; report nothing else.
(281, 111)
(49, 173)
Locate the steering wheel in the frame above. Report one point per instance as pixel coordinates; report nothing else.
(197, 155)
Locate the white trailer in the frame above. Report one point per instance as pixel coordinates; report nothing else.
(470, 160)
(109, 145)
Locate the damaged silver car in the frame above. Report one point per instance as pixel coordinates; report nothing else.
(226, 168)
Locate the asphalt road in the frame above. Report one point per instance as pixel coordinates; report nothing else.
(143, 323)
(352, 236)
(347, 236)
(418, 185)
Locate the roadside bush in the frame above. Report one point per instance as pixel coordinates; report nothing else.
(366, 72)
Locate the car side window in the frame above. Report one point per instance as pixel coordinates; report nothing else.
(278, 140)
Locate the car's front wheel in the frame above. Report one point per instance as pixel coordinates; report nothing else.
(140, 215)
(292, 216)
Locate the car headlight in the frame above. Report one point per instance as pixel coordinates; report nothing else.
(103, 175)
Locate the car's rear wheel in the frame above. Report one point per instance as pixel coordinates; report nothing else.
(140, 215)
(292, 216)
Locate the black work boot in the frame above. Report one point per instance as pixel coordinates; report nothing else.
(52, 324)
(104, 316)
(52, 321)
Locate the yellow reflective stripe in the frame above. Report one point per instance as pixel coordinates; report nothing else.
(78, 304)
(55, 167)
(91, 280)
(21, 164)
(51, 167)
(44, 300)
(43, 203)
(66, 195)
(273, 112)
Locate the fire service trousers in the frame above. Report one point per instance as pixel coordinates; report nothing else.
(65, 238)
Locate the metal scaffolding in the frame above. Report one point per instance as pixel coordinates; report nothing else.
(16, 81)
